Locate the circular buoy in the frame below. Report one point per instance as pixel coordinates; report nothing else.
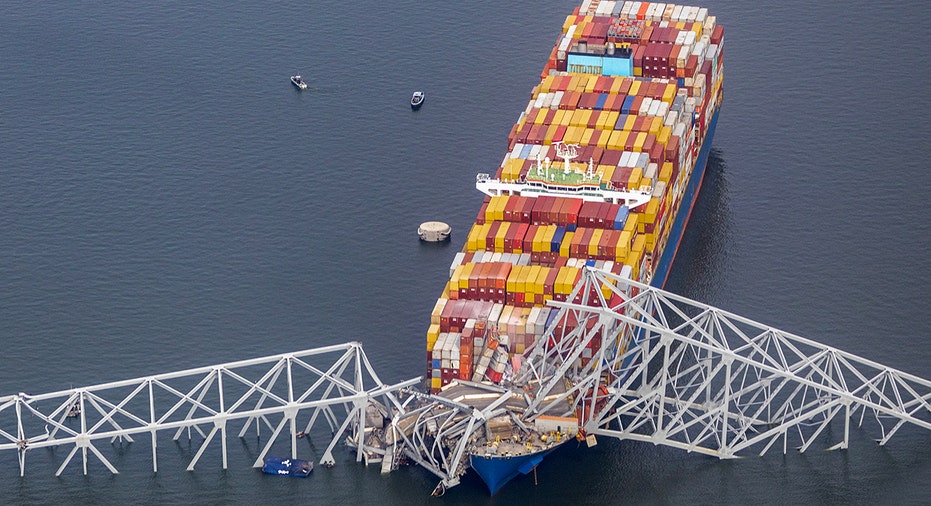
(434, 231)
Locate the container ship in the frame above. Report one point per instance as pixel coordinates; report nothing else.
(602, 169)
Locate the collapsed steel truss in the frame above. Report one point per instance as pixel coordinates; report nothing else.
(635, 362)
(701, 379)
(629, 360)
(336, 383)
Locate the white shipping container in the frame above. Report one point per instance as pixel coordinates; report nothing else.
(634, 9)
(625, 9)
(625, 159)
(690, 38)
(667, 13)
(659, 189)
(663, 109)
(710, 23)
(671, 118)
(676, 14)
(650, 10)
(654, 108)
(651, 170)
(658, 12)
(645, 106)
(680, 37)
(586, 4)
(524, 259)
(643, 160)
(683, 54)
(702, 15)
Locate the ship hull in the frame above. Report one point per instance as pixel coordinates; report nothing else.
(498, 471)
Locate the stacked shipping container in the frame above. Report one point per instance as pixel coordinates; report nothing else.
(638, 106)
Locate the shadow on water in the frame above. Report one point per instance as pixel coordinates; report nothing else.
(707, 246)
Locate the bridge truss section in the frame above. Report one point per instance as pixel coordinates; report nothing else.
(649, 365)
(331, 390)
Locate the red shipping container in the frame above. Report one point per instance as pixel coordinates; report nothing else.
(611, 157)
(717, 34)
(527, 246)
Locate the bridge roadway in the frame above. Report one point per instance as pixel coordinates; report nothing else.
(668, 370)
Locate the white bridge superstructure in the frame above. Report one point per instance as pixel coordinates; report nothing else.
(668, 370)
(698, 378)
(334, 385)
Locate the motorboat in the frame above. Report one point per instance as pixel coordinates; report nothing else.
(417, 100)
(297, 81)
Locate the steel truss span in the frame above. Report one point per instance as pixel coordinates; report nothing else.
(333, 387)
(701, 379)
(632, 361)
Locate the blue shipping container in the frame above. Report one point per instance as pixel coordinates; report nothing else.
(620, 218)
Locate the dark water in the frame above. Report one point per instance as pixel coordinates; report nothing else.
(169, 200)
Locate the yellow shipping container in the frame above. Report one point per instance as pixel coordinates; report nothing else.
(433, 333)
(604, 138)
(457, 276)
(697, 27)
(635, 176)
(616, 85)
(436, 383)
(664, 134)
(541, 279)
(560, 117)
(510, 284)
(680, 25)
(593, 243)
(570, 20)
(472, 240)
(650, 241)
(576, 119)
(601, 170)
(437, 310)
(638, 71)
(590, 85)
(532, 285)
(547, 83)
(512, 171)
(665, 174)
(586, 117)
(540, 116)
(536, 241)
(656, 125)
(602, 120)
(499, 236)
(630, 225)
(614, 142)
(550, 132)
(608, 173)
(573, 135)
(502, 322)
(629, 123)
(564, 247)
(638, 146)
(612, 119)
(587, 137)
(464, 277)
(634, 87)
(573, 81)
(669, 93)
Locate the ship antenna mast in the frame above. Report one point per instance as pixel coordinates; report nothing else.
(566, 152)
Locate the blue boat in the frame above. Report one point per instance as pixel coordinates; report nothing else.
(287, 467)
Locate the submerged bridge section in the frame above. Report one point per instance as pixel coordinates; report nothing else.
(333, 386)
(626, 360)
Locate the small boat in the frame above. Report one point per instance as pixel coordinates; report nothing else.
(297, 81)
(287, 467)
(417, 100)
